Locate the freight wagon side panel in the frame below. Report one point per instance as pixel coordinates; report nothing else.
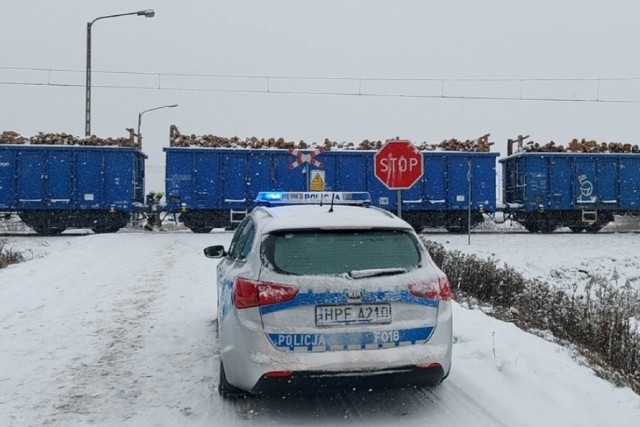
(89, 180)
(531, 176)
(30, 179)
(283, 177)
(483, 181)
(457, 180)
(192, 178)
(139, 176)
(259, 175)
(607, 178)
(178, 178)
(235, 171)
(58, 182)
(581, 191)
(118, 179)
(435, 183)
(345, 171)
(244, 173)
(564, 181)
(202, 173)
(629, 181)
(536, 182)
(414, 197)
(585, 181)
(7, 181)
(561, 195)
(512, 182)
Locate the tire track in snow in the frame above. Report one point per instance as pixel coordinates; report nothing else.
(109, 382)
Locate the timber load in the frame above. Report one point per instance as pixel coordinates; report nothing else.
(574, 146)
(42, 138)
(178, 139)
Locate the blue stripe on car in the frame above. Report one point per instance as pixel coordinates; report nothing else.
(322, 298)
(350, 340)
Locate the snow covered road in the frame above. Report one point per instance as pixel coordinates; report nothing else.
(120, 330)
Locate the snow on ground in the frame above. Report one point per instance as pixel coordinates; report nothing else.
(119, 330)
(564, 259)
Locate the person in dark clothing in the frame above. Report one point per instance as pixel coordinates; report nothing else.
(153, 210)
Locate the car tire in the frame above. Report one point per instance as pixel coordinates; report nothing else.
(226, 390)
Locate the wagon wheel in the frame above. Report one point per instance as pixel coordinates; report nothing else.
(548, 227)
(457, 224)
(595, 227)
(48, 231)
(201, 229)
(102, 230)
(457, 230)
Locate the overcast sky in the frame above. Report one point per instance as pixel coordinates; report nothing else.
(414, 48)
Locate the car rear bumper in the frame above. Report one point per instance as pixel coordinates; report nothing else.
(247, 360)
(319, 382)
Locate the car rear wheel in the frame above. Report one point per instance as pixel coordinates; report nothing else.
(226, 390)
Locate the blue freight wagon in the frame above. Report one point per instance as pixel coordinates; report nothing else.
(53, 188)
(581, 191)
(216, 187)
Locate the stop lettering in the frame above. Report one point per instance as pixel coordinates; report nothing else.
(398, 164)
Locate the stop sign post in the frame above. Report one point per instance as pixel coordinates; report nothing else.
(398, 165)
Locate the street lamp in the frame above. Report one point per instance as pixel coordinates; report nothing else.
(147, 13)
(151, 109)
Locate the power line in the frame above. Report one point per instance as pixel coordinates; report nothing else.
(291, 77)
(268, 81)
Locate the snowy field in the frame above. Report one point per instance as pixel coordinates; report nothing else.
(119, 330)
(563, 259)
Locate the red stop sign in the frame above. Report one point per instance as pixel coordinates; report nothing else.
(398, 165)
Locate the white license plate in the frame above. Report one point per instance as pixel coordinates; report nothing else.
(352, 314)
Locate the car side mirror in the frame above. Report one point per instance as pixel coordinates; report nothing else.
(216, 251)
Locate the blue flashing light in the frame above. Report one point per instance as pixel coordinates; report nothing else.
(313, 198)
(270, 196)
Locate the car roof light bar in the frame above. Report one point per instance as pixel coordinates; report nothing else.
(272, 198)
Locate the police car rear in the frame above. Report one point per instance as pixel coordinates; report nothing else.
(331, 296)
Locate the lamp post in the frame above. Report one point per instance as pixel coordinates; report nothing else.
(151, 109)
(147, 13)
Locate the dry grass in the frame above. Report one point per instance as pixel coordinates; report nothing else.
(600, 324)
(8, 256)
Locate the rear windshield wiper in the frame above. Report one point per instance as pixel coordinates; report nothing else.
(373, 272)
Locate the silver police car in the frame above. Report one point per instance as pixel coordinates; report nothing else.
(321, 291)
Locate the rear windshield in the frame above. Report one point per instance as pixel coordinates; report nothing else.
(321, 252)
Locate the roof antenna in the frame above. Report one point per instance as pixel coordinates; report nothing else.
(333, 195)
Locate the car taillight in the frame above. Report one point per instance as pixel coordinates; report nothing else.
(278, 374)
(433, 365)
(251, 293)
(433, 290)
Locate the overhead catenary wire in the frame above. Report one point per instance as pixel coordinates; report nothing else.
(442, 92)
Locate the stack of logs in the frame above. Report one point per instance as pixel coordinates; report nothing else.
(177, 139)
(581, 146)
(11, 137)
